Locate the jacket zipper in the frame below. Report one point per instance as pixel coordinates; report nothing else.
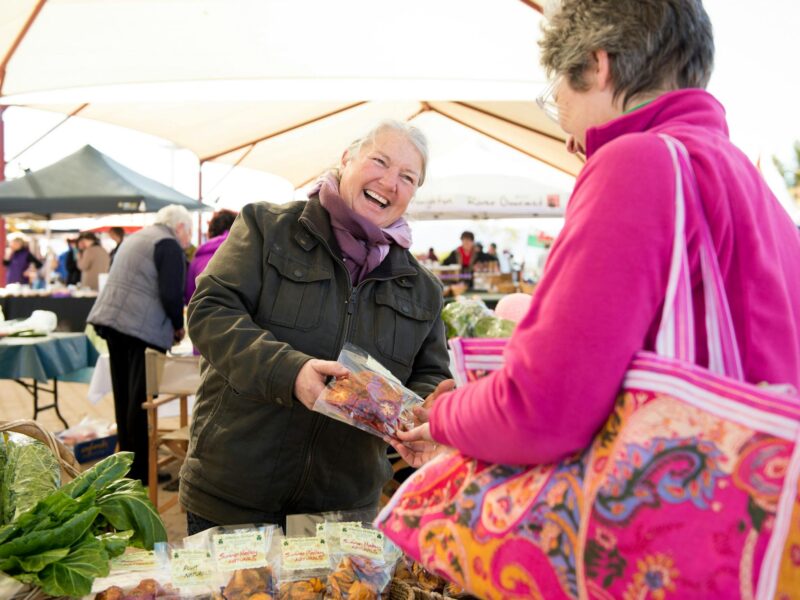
(309, 453)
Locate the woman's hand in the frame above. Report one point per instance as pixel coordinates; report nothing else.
(416, 446)
(310, 380)
(446, 385)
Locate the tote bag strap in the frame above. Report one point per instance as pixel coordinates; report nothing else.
(676, 338)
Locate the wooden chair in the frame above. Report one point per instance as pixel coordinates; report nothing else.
(169, 378)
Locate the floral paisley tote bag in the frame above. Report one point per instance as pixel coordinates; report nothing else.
(690, 490)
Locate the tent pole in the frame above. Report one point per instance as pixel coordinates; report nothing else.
(2, 178)
(200, 200)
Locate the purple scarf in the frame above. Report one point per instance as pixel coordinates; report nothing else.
(364, 245)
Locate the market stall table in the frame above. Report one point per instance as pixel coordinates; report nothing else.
(70, 310)
(43, 358)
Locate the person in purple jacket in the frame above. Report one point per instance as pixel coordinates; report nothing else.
(18, 260)
(623, 72)
(218, 228)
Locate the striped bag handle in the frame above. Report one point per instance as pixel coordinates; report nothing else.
(676, 337)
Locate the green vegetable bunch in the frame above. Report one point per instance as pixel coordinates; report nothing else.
(68, 537)
(473, 319)
(460, 316)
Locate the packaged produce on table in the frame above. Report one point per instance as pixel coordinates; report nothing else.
(136, 574)
(66, 540)
(369, 398)
(247, 559)
(364, 561)
(305, 566)
(29, 473)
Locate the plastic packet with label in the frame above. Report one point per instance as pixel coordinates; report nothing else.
(246, 557)
(369, 398)
(193, 572)
(305, 566)
(137, 573)
(363, 561)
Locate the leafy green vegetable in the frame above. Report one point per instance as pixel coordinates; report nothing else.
(107, 471)
(460, 316)
(73, 576)
(493, 327)
(127, 507)
(31, 472)
(65, 534)
(116, 542)
(34, 563)
(67, 538)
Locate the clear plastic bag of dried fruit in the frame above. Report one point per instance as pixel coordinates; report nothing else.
(247, 559)
(363, 561)
(369, 398)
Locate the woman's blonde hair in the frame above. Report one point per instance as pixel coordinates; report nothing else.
(653, 45)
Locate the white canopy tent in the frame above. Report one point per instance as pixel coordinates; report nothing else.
(281, 85)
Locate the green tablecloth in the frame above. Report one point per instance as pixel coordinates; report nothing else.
(44, 358)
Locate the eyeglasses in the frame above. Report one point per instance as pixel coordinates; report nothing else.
(547, 100)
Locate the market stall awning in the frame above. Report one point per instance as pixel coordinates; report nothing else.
(87, 182)
(269, 86)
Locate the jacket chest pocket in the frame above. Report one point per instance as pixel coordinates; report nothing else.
(296, 292)
(400, 325)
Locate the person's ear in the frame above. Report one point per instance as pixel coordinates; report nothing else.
(602, 69)
(345, 158)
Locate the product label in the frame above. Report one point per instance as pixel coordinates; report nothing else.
(304, 553)
(135, 560)
(362, 542)
(191, 567)
(242, 550)
(334, 529)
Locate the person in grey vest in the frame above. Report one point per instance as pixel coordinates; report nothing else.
(141, 306)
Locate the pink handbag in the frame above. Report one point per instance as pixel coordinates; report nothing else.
(690, 490)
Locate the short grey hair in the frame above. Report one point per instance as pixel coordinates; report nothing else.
(653, 45)
(173, 215)
(411, 133)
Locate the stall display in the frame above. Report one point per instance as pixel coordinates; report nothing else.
(60, 544)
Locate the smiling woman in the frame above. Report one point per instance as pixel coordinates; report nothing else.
(279, 299)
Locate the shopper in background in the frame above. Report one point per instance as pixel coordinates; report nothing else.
(18, 259)
(117, 234)
(271, 312)
(218, 228)
(464, 256)
(141, 306)
(93, 259)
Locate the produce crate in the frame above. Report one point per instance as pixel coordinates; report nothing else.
(95, 449)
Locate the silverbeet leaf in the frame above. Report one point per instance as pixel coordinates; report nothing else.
(31, 473)
(58, 537)
(74, 574)
(129, 508)
(116, 542)
(101, 475)
(32, 564)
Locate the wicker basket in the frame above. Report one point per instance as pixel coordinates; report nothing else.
(69, 470)
(399, 590)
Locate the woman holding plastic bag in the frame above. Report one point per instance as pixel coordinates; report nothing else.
(274, 307)
(661, 187)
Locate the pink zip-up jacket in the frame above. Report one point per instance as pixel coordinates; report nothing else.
(600, 297)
